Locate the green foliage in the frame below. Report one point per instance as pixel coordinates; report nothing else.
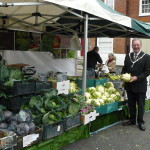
(4, 72)
(47, 42)
(22, 44)
(36, 100)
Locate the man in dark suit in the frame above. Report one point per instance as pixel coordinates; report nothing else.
(137, 64)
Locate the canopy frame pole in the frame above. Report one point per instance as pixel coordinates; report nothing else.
(85, 53)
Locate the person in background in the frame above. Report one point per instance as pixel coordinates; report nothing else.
(111, 63)
(137, 64)
(92, 58)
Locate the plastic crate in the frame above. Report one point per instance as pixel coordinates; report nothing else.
(14, 103)
(41, 85)
(99, 82)
(122, 104)
(21, 88)
(72, 121)
(29, 140)
(52, 130)
(89, 83)
(107, 108)
(9, 141)
(117, 83)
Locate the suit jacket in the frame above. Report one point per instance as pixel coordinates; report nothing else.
(139, 68)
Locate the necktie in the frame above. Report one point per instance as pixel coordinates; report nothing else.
(135, 56)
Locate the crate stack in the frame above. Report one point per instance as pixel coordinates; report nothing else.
(21, 93)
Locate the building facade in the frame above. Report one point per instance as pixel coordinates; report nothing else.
(137, 9)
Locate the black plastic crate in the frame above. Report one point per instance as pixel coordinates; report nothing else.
(42, 85)
(14, 103)
(52, 130)
(21, 88)
(72, 121)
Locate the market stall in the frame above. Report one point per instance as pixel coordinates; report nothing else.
(71, 124)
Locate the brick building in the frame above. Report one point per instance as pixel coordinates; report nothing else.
(137, 9)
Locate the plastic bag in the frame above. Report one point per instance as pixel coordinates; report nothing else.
(105, 69)
(75, 43)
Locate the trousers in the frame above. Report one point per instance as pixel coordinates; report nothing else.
(136, 103)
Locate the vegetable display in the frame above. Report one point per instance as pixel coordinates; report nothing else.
(100, 95)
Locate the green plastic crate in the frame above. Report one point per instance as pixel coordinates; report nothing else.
(99, 82)
(89, 83)
(122, 104)
(107, 108)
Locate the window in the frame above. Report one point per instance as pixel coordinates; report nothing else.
(110, 3)
(144, 8)
(105, 45)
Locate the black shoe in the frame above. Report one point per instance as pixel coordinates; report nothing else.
(128, 123)
(142, 127)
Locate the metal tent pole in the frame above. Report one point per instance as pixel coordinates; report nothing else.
(85, 53)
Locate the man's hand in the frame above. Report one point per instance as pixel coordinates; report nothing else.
(133, 78)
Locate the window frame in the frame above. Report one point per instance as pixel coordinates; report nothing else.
(140, 10)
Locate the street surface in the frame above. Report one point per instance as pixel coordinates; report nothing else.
(116, 137)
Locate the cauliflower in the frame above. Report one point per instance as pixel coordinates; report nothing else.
(88, 101)
(97, 94)
(126, 77)
(112, 95)
(111, 90)
(109, 84)
(91, 89)
(100, 88)
(87, 95)
(106, 94)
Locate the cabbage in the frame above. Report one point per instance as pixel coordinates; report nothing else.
(126, 77)
(36, 100)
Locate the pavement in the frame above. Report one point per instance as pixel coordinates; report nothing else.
(116, 137)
